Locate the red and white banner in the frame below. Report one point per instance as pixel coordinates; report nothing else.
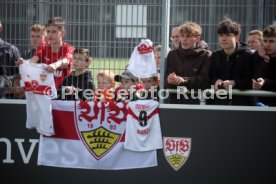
(90, 135)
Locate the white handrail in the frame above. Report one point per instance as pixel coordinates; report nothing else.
(234, 92)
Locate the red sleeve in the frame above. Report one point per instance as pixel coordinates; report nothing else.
(69, 50)
(39, 51)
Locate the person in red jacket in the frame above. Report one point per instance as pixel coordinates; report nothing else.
(55, 53)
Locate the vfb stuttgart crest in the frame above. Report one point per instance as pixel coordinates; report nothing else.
(177, 150)
(43, 76)
(100, 125)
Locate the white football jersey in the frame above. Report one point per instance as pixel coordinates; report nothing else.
(39, 90)
(143, 131)
(142, 63)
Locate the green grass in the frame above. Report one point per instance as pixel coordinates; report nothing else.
(115, 65)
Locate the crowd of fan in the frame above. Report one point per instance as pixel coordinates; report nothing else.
(189, 63)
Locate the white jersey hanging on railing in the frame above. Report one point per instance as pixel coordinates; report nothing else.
(142, 62)
(39, 90)
(143, 131)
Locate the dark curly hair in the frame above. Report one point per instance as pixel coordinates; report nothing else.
(270, 31)
(228, 26)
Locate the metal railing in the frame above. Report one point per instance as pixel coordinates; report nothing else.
(234, 92)
(203, 95)
(110, 29)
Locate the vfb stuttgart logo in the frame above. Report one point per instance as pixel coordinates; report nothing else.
(177, 150)
(100, 125)
(43, 76)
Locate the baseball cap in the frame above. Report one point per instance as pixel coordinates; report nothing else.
(126, 75)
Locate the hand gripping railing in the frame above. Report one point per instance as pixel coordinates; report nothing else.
(232, 92)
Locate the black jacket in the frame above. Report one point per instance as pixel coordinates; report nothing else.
(82, 82)
(8, 55)
(191, 63)
(239, 67)
(267, 71)
(29, 53)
